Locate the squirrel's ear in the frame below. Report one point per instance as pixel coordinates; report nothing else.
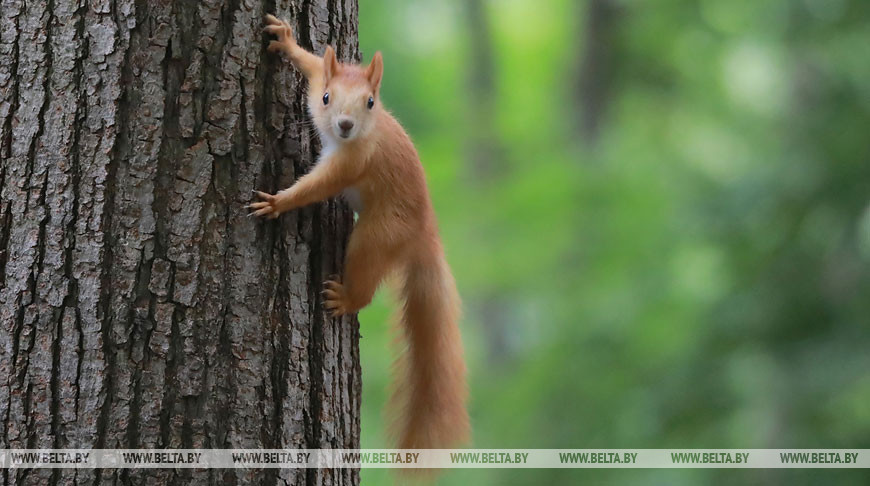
(330, 63)
(375, 71)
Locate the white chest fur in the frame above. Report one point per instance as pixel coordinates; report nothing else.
(351, 194)
(327, 146)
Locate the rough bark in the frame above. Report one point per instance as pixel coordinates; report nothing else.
(139, 306)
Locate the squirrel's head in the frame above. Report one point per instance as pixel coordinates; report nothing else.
(345, 109)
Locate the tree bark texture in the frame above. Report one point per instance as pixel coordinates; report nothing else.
(139, 306)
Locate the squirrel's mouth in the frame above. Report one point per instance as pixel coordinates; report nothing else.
(345, 134)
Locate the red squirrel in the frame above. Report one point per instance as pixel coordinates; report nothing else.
(369, 158)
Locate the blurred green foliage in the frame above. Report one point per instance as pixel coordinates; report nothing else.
(694, 273)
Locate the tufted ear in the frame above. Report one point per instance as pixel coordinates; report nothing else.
(330, 63)
(375, 71)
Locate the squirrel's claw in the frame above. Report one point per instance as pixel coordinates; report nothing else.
(265, 196)
(266, 207)
(271, 19)
(275, 29)
(334, 299)
(263, 211)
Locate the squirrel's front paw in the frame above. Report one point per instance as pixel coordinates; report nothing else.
(335, 298)
(268, 207)
(280, 29)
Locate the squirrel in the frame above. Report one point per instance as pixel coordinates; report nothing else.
(368, 156)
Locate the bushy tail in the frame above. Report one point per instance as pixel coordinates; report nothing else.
(429, 400)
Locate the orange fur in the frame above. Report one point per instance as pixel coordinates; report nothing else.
(396, 230)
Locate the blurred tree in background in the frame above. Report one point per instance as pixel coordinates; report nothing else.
(658, 214)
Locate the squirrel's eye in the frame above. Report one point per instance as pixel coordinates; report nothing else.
(325, 98)
(370, 103)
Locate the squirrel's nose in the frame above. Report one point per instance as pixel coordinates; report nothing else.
(345, 124)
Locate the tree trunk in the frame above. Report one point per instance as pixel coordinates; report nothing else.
(139, 306)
